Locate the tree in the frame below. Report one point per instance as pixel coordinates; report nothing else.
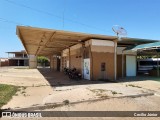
(42, 60)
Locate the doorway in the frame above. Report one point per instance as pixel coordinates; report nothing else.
(131, 65)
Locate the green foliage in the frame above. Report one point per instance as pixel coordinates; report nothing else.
(6, 93)
(146, 56)
(42, 60)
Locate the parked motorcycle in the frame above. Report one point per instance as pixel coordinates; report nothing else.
(74, 74)
(66, 70)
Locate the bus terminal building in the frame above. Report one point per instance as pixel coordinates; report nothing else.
(95, 56)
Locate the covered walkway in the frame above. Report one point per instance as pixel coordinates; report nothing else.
(58, 79)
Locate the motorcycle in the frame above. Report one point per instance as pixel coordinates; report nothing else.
(74, 74)
(66, 70)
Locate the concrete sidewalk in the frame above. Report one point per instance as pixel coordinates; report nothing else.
(44, 95)
(94, 91)
(21, 77)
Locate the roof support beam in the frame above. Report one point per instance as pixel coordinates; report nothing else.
(54, 47)
(66, 41)
(62, 45)
(38, 50)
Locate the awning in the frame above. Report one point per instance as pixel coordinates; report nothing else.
(40, 41)
(149, 46)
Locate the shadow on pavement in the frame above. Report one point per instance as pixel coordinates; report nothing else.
(56, 78)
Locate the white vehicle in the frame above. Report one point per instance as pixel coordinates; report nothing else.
(144, 65)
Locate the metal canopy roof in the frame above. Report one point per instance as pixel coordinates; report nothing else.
(39, 41)
(149, 46)
(125, 41)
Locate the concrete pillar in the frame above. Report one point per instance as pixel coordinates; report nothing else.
(32, 61)
(18, 62)
(62, 62)
(69, 58)
(55, 63)
(82, 59)
(157, 65)
(122, 64)
(115, 60)
(51, 62)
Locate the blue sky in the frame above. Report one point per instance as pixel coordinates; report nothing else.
(141, 18)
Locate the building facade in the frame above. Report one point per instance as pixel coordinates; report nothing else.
(95, 60)
(95, 56)
(19, 58)
(4, 62)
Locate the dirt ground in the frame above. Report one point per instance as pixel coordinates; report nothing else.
(43, 87)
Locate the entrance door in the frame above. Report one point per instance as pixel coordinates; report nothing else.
(130, 65)
(86, 69)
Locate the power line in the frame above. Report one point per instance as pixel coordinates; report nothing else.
(53, 15)
(9, 21)
(64, 11)
(37, 10)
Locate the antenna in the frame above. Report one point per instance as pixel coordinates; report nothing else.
(120, 31)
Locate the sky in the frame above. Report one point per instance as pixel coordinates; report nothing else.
(140, 18)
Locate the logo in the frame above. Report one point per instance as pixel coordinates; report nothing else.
(6, 114)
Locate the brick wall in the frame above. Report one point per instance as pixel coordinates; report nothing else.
(4, 63)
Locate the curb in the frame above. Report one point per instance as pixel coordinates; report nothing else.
(54, 105)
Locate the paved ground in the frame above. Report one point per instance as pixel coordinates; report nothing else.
(37, 84)
(149, 103)
(100, 91)
(43, 87)
(21, 76)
